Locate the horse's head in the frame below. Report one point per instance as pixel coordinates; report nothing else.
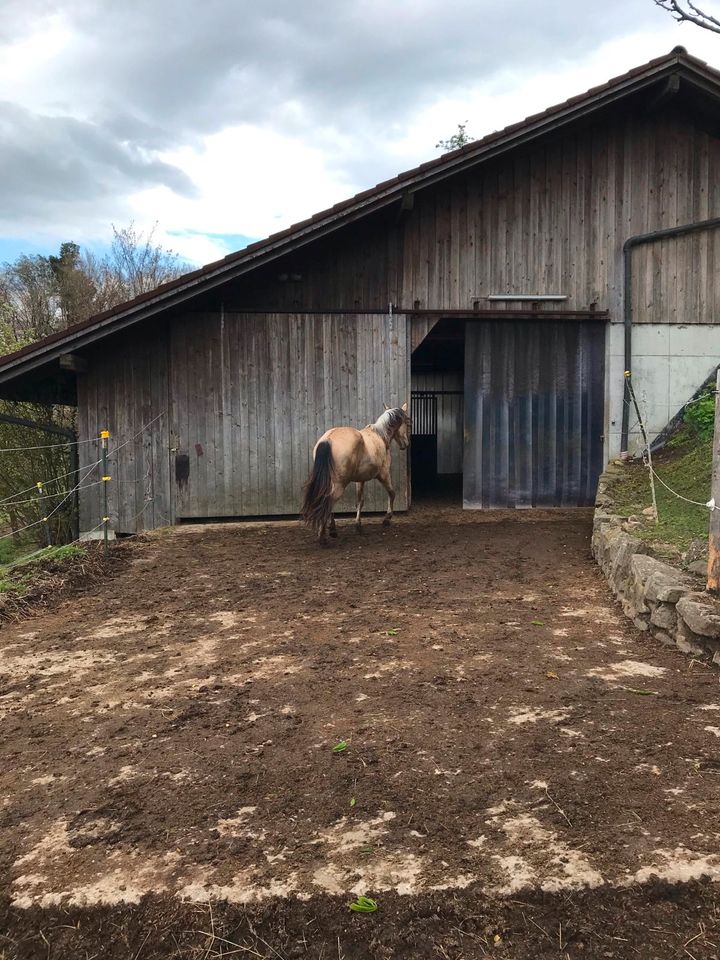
(402, 431)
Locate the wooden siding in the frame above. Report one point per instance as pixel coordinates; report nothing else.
(533, 413)
(244, 398)
(551, 220)
(125, 390)
(253, 393)
(554, 222)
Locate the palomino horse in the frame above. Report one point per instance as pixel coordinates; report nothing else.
(344, 454)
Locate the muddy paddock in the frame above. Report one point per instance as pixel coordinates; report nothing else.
(518, 773)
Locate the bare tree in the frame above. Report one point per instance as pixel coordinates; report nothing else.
(134, 265)
(689, 13)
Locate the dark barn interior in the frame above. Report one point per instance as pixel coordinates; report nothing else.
(437, 377)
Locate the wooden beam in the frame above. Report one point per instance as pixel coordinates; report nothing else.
(73, 363)
(33, 424)
(669, 89)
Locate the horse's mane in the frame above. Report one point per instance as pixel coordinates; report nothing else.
(388, 422)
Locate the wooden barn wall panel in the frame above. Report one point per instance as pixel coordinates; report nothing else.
(124, 391)
(355, 270)
(554, 221)
(252, 393)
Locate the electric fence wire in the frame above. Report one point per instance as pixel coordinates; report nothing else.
(47, 446)
(9, 499)
(55, 509)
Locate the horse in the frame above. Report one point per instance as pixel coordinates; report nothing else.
(343, 455)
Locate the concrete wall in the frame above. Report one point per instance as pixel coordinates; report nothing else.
(670, 361)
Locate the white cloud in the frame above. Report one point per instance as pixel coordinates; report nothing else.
(250, 180)
(245, 118)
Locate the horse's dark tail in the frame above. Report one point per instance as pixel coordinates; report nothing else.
(318, 503)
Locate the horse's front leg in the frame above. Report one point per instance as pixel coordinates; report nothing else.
(384, 479)
(360, 491)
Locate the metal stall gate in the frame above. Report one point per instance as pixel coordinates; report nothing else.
(424, 446)
(534, 404)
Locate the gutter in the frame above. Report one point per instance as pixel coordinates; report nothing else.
(639, 240)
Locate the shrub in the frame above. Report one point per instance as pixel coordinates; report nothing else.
(700, 415)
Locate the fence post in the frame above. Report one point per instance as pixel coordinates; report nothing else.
(713, 578)
(631, 392)
(75, 480)
(104, 435)
(40, 487)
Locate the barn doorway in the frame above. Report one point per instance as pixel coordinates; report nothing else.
(436, 403)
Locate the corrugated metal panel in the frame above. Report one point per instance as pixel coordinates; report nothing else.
(533, 413)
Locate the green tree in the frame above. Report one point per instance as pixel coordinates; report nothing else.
(75, 290)
(39, 296)
(457, 140)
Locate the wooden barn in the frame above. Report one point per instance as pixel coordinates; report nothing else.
(503, 287)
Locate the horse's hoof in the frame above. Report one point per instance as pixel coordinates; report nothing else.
(386, 521)
(358, 528)
(333, 534)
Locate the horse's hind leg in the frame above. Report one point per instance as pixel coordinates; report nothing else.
(384, 479)
(360, 491)
(330, 529)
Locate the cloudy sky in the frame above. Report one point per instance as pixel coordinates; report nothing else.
(227, 120)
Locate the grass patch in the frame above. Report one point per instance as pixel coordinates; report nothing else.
(12, 549)
(686, 466)
(17, 577)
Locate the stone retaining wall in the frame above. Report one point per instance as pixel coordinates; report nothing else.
(659, 598)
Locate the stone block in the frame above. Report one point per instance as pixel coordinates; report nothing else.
(664, 616)
(665, 638)
(651, 582)
(689, 645)
(620, 552)
(658, 581)
(700, 614)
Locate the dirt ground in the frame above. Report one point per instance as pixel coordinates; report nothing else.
(525, 774)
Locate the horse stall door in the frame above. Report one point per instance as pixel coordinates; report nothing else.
(424, 446)
(534, 404)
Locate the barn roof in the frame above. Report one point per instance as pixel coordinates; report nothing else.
(647, 79)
